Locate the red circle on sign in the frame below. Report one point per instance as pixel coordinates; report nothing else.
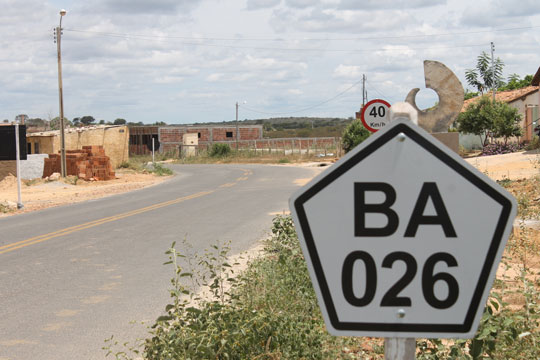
(365, 108)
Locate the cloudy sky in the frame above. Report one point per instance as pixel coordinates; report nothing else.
(185, 61)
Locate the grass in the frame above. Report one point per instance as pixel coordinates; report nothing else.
(143, 164)
(6, 209)
(256, 157)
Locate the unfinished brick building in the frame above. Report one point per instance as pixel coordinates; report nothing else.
(169, 138)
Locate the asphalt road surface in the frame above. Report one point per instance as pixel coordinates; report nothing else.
(72, 276)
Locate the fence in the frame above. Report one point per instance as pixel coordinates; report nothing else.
(323, 146)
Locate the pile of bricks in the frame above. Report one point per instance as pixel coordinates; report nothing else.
(88, 163)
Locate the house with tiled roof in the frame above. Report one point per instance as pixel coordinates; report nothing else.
(526, 100)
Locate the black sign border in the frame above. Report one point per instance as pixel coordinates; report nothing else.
(456, 166)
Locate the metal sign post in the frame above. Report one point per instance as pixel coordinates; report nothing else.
(153, 158)
(399, 348)
(17, 151)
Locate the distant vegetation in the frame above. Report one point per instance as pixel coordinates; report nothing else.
(294, 126)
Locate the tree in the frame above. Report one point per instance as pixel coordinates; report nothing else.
(486, 119)
(55, 123)
(353, 135)
(469, 94)
(37, 122)
(119, 122)
(482, 77)
(87, 120)
(515, 82)
(506, 122)
(101, 122)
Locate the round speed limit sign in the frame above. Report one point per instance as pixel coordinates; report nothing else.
(376, 114)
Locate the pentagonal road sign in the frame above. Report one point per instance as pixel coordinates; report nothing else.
(402, 237)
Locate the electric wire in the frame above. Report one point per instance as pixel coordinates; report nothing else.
(303, 109)
(393, 48)
(378, 92)
(386, 37)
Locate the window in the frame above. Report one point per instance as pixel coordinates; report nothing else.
(36, 148)
(229, 134)
(199, 135)
(29, 150)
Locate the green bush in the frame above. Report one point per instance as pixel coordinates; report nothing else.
(353, 135)
(160, 170)
(219, 150)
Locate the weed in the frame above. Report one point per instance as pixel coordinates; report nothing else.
(284, 161)
(160, 170)
(219, 150)
(32, 182)
(71, 179)
(6, 209)
(268, 312)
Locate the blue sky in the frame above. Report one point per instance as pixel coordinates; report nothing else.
(184, 61)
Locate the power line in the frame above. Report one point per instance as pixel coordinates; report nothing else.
(304, 109)
(206, 38)
(390, 49)
(378, 92)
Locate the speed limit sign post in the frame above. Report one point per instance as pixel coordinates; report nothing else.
(375, 115)
(402, 237)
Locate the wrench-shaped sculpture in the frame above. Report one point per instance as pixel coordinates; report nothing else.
(450, 91)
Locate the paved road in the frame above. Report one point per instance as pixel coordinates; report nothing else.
(72, 276)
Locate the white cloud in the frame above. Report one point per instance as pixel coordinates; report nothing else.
(214, 77)
(388, 4)
(301, 3)
(347, 71)
(166, 59)
(295, 91)
(261, 4)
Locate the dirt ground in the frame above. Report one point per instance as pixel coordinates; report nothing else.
(40, 194)
(519, 165)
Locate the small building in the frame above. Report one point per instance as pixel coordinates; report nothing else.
(113, 138)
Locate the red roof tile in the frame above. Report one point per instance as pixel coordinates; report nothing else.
(504, 96)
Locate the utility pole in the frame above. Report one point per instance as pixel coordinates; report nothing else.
(237, 126)
(58, 39)
(364, 92)
(494, 86)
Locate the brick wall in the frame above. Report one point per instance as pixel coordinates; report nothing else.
(220, 134)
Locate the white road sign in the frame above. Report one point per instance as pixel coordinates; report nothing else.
(402, 237)
(375, 115)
